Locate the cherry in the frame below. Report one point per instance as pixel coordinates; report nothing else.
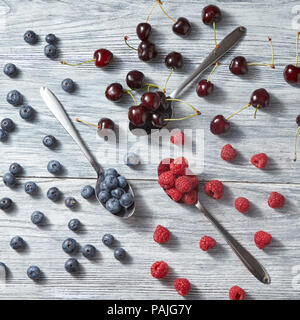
(211, 14)
(219, 125)
(157, 120)
(143, 30)
(102, 57)
(134, 79)
(297, 133)
(291, 74)
(114, 92)
(204, 88)
(151, 100)
(298, 120)
(138, 115)
(146, 51)
(104, 125)
(174, 60)
(260, 98)
(163, 100)
(238, 65)
(182, 27)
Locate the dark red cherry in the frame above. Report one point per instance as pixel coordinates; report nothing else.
(103, 57)
(105, 125)
(219, 125)
(151, 100)
(138, 115)
(174, 60)
(211, 14)
(298, 120)
(157, 120)
(143, 30)
(146, 51)
(238, 66)
(260, 97)
(114, 92)
(204, 88)
(182, 27)
(163, 100)
(134, 79)
(291, 74)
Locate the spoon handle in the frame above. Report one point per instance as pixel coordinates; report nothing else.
(245, 256)
(60, 114)
(224, 46)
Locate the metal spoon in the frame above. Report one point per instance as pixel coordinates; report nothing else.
(60, 114)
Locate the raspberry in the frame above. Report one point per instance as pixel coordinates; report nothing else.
(276, 200)
(190, 197)
(167, 180)
(183, 184)
(214, 189)
(179, 166)
(228, 153)
(159, 269)
(174, 194)
(262, 239)
(259, 160)
(236, 293)
(161, 234)
(193, 178)
(242, 204)
(182, 286)
(164, 165)
(207, 243)
(178, 138)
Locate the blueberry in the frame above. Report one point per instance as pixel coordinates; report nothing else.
(89, 251)
(108, 239)
(126, 200)
(14, 97)
(26, 112)
(7, 125)
(111, 182)
(3, 135)
(117, 193)
(131, 159)
(15, 169)
(30, 187)
(122, 182)
(49, 141)
(113, 205)
(104, 187)
(120, 254)
(17, 243)
(9, 180)
(111, 172)
(74, 224)
(37, 217)
(10, 70)
(50, 51)
(54, 167)
(103, 196)
(51, 38)
(34, 272)
(70, 202)
(72, 265)
(30, 37)
(68, 85)
(87, 192)
(69, 245)
(5, 203)
(53, 194)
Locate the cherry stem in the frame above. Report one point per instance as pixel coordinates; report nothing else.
(247, 106)
(169, 76)
(188, 104)
(76, 64)
(148, 17)
(87, 123)
(126, 41)
(297, 48)
(295, 144)
(212, 71)
(257, 107)
(272, 65)
(148, 85)
(215, 34)
(187, 117)
(163, 10)
(131, 95)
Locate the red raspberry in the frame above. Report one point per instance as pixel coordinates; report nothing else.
(179, 166)
(167, 180)
(182, 286)
(159, 269)
(242, 204)
(207, 243)
(174, 194)
(183, 184)
(262, 239)
(164, 165)
(194, 181)
(228, 153)
(178, 138)
(236, 293)
(190, 197)
(161, 234)
(259, 160)
(214, 189)
(276, 200)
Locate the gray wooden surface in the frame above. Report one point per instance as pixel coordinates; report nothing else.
(89, 25)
